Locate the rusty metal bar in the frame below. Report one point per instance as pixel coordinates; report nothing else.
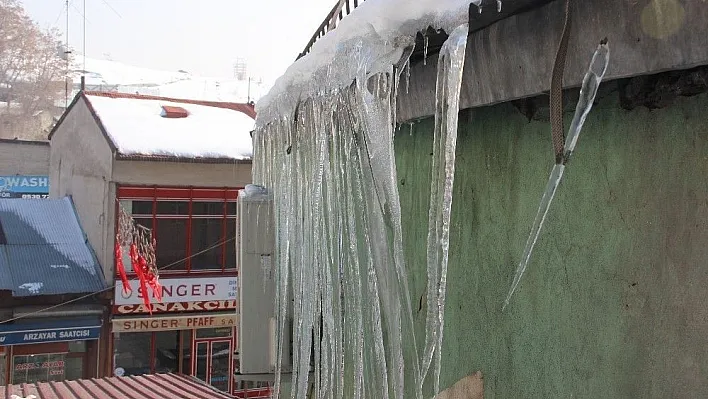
(339, 12)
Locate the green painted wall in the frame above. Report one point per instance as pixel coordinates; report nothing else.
(614, 303)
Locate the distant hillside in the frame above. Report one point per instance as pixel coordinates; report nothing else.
(105, 75)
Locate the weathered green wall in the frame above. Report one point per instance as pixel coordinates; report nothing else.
(614, 303)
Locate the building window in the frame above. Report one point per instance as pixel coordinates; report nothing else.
(46, 367)
(167, 350)
(69, 364)
(132, 353)
(194, 229)
(153, 352)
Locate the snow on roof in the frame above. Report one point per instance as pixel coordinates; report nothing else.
(368, 41)
(136, 128)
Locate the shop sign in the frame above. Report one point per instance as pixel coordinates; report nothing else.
(174, 290)
(54, 367)
(49, 335)
(174, 307)
(18, 186)
(145, 324)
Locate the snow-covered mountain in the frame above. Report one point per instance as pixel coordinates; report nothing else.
(106, 75)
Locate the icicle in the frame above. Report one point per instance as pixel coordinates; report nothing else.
(591, 82)
(588, 91)
(426, 40)
(449, 82)
(398, 70)
(408, 75)
(499, 5)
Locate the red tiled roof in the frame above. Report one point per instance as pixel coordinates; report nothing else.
(155, 386)
(247, 109)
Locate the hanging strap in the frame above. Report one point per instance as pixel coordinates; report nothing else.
(556, 102)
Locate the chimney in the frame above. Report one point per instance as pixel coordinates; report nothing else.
(173, 112)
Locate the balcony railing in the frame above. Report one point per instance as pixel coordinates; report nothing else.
(340, 10)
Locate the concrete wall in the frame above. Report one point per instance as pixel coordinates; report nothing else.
(181, 174)
(81, 165)
(24, 157)
(513, 58)
(614, 303)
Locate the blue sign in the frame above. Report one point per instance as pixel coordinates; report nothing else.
(19, 186)
(49, 335)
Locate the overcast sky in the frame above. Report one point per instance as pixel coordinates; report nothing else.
(203, 37)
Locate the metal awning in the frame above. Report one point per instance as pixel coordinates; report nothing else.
(154, 386)
(55, 330)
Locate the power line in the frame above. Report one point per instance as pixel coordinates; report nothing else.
(56, 21)
(26, 315)
(111, 7)
(67, 52)
(82, 14)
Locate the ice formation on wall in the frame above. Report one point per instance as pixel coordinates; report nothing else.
(324, 145)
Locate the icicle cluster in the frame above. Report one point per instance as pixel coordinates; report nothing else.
(339, 257)
(339, 252)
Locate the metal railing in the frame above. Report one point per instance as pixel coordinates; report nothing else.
(254, 393)
(340, 10)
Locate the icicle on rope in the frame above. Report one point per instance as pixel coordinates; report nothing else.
(591, 82)
(141, 249)
(449, 82)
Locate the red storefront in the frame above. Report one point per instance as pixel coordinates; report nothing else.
(192, 331)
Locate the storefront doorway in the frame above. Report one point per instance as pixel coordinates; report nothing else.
(212, 363)
(147, 345)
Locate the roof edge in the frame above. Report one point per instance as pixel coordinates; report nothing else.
(101, 273)
(81, 95)
(245, 108)
(63, 116)
(181, 159)
(22, 141)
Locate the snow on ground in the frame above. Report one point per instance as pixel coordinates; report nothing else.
(369, 40)
(105, 75)
(136, 127)
(105, 72)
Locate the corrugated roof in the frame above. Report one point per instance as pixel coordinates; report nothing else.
(5, 276)
(61, 268)
(155, 386)
(46, 251)
(40, 221)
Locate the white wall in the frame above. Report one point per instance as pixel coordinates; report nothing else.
(181, 174)
(24, 157)
(80, 166)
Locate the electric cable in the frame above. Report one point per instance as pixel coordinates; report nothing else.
(26, 315)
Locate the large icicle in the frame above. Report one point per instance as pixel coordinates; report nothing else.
(591, 82)
(324, 144)
(451, 61)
